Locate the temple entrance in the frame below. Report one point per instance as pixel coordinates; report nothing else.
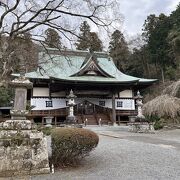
(86, 108)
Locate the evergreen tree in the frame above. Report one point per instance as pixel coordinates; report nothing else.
(22, 46)
(95, 43)
(174, 35)
(84, 37)
(157, 43)
(88, 40)
(118, 49)
(6, 96)
(52, 38)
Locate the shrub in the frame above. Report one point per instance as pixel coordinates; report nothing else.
(46, 130)
(69, 145)
(158, 122)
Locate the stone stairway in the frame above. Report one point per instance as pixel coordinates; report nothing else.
(105, 120)
(94, 119)
(91, 119)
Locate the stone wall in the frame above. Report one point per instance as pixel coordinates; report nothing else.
(23, 152)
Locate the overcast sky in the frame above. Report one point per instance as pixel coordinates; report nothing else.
(136, 11)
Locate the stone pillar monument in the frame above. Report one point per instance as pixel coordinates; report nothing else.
(71, 119)
(23, 150)
(140, 117)
(140, 125)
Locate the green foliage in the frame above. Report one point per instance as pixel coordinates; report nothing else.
(118, 49)
(138, 65)
(170, 73)
(84, 37)
(53, 40)
(158, 122)
(161, 34)
(19, 47)
(95, 44)
(88, 40)
(46, 130)
(69, 145)
(175, 17)
(158, 45)
(6, 95)
(174, 35)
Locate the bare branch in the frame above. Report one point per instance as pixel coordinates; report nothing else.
(7, 12)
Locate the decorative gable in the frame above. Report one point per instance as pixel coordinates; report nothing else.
(90, 67)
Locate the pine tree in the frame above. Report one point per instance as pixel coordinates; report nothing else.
(88, 40)
(52, 38)
(118, 50)
(158, 46)
(174, 35)
(95, 42)
(84, 37)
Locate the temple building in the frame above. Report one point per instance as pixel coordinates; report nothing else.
(103, 92)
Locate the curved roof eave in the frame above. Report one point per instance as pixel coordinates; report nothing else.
(147, 81)
(95, 81)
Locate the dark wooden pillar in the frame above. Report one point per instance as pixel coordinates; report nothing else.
(119, 120)
(113, 109)
(94, 108)
(42, 121)
(55, 121)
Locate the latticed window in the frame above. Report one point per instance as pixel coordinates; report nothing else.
(119, 104)
(49, 104)
(102, 103)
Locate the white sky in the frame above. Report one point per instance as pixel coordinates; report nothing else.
(136, 11)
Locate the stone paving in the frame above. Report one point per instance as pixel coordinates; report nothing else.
(121, 155)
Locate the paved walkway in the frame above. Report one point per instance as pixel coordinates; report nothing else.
(127, 156)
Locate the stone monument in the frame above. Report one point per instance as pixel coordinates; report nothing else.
(23, 149)
(140, 125)
(71, 119)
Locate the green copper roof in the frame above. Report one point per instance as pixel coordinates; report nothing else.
(66, 65)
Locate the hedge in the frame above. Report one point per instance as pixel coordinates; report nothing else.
(69, 145)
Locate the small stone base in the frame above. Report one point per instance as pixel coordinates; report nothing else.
(23, 152)
(17, 125)
(141, 127)
(24, 172)
(71, 120)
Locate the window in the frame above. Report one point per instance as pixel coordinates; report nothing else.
(119, 104)
(49, 104)
(102, 103)
(67, 103)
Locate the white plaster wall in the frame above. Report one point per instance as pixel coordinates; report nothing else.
(39, 92)
(126, 94)
(127, 104)
(40, 103)
(58, 94)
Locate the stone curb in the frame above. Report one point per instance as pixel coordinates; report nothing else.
(108, 135)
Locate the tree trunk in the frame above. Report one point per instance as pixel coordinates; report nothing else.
(162, 74)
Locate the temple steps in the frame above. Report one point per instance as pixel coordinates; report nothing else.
(104, 118)
(93, 119)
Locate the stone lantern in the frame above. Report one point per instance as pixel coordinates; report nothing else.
(140, 125)
(71, 102)
(48, 121)
(140, 117)
(24, 148)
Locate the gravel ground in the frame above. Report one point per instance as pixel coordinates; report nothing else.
(128, 156)
(121, 155)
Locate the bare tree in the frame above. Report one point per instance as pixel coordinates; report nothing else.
(19, 17)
